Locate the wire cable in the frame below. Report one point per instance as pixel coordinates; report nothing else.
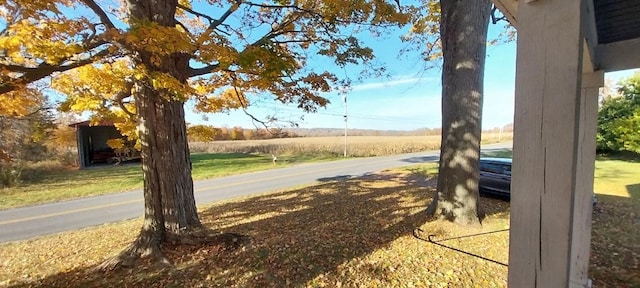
(416, 234)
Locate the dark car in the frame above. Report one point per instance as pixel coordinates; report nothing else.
(495, 177)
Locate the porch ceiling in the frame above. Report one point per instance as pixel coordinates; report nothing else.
(617, 20)
(611, 31)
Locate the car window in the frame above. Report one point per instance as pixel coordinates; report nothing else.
(506, 169)
(491, 167)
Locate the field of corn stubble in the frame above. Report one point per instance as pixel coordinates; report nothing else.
(357, 146)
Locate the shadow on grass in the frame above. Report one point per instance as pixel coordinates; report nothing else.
(297, 236)
(634, 190)
(615, 257)
(627, 156)
(614, 173)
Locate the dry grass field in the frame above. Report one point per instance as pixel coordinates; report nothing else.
(357, 146)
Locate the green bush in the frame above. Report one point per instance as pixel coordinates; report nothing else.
(10, 174)
(619, 119)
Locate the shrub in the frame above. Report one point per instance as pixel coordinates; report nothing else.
(10, 174)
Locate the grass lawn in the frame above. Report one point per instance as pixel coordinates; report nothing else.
(351, 233)
(55, 185)
(615, 175)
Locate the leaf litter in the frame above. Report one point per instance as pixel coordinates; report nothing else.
(349, 232)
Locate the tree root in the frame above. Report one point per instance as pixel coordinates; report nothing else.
(147, 246)
(142, 247)
(444, 210)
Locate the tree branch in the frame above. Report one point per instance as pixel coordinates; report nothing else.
(244, 108)
(124, 94)
(495, 19)
(103, 16)
(278, 7)
(226, 15)
(189, 10)
(316, 14)
(213, 23)
(41, 71)
(183, 27)
(30, 114)
(202, 71)
(294, 41)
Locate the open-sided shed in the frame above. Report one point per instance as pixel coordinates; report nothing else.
(564, 48)
(92, 142)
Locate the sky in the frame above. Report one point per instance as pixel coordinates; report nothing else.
(408, 100)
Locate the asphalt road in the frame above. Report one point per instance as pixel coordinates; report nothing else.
(28, 222)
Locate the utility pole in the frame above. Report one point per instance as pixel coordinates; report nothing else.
(344, 99)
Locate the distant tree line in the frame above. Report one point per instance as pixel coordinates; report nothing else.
(207, 133)
(323, 132)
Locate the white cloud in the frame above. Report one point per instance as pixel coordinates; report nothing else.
(390, 83)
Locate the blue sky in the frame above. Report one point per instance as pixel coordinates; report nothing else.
(410, 99)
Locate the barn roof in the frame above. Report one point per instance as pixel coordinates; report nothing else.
(88, 123)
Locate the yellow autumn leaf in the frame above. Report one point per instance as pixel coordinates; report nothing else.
(117, 143)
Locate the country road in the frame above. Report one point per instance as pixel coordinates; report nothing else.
(28, 222)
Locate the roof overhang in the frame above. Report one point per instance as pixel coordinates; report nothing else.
(611, 30)
(102, 123)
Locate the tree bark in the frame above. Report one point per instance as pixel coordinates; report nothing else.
(170, 212)
(463, 30)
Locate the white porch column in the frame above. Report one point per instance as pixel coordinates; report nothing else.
(582, 207)
(546, 149)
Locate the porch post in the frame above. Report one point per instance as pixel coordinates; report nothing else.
(583, 203)
(545, 148)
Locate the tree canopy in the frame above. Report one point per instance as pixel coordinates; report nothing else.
(135, 63)
(619, 118)
(234, 48)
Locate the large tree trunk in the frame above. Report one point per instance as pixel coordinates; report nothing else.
(170, 210)
(463, 31)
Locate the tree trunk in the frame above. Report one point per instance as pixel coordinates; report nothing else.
(463, 32)
(170, 212)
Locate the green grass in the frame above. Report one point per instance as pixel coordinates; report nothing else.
(615, 175)
(617, 178)
(50, 185)
(502, 153)
(54, 185)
